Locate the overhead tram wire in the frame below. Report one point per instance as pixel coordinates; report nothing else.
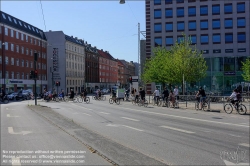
(43, 15)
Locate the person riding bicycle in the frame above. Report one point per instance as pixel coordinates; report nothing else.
(85, 93)
(165, 94)
(99, 94)
(54, 93)
(2, 94)
(172, 97)
(114, 95)
(142, 94)
(201, 93)
(72, 94)
(233, 97)
(156, 95)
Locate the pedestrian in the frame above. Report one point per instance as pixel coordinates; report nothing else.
(72, 94)
(156, 95)
(176, 92)
(165, 94)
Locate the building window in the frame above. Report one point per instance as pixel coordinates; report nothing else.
(228, 8)
(241, 22)
(7, 74)
(22, 50)
(27, 51)
(168, 1)
(157, 13)
(17, 35)
(12, 61)
(169, 27)
(6, 60)
(216, 9)
(158, 41)
(180, 12)
(203, 10)
(192, 11)
(12, 33)
(240, 7)
(169, 13)
(22, 63)
(22, 75)
(157, 27)
(169, 40)
(17, 48)
(216, 24)
(180, 39)
(17, 75)
(216, 38)
(228, 38)
(228, 23)
(157, 2)
(22, 36)
(180, 1)
(27, 38)
(6, 31)
(193, 39)
(180, 26)
(31, 64)
(192, 25)
(27, 63)
(6, 45)
(31, 40)
(17, 62)
(204, 39)
(241, 36)
(12, 75)
(12, 47)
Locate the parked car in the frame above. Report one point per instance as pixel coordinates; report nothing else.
(23, 95)
(12, 96)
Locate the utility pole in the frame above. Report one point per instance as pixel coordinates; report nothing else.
(35, 75)
(139, 33)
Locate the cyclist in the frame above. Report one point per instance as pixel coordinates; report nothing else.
(99, 94)
(172, 97)
(142, 94)
(114, 95)
(72, 94)
(85, 93)
(233, 97)
(176, 93)
(165, 94)
(156, 94)
(54, 93)
(201, 93)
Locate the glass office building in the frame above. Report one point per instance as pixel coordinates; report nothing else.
(220, 29)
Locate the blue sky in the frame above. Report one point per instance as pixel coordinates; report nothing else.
(107, 25)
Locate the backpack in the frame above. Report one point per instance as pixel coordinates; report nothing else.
(238, 96)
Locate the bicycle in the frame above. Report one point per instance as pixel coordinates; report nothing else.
(174, 104)
(204, 104)
(157, 101)
(114, 99)
(143, 102)
(238, 106)
(134, 100)
(85, 99)
(5, 98)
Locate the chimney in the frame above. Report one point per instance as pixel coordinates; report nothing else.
(76, 38)
(101, 49)
(72, 36)
(89, 45)
(86, 42)
(95, 47)
(131, 61)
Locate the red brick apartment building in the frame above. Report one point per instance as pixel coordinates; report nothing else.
(18, 43)
(121, 74)
(108, 70)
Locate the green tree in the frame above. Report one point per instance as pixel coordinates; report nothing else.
(169, 66)
(246, 70)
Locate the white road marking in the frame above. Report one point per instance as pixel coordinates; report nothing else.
(244, 144)
(243, 123)
(230, 163)
(104, 113)
(16, 161)
(231, 124)
(113, 125)
(130, 119)
(81, 107)
(8, 115)
(11, 131)
(235, 135)
(176, 129)
(85, 114)
(132, 128)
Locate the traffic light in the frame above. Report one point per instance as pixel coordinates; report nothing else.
(57, 83)
(35, 74)
(31, 74)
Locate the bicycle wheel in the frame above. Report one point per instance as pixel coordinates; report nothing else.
(228, 108)
(117, 101)
(205, 106)
(133, 102)
(87, 100)
(242, 109)
(75, 100)
(80, 99)
(145, 103)
(111, 101)
(197, 106)
(139, 102)
(103, 98)
(66, 99)
(57, 99)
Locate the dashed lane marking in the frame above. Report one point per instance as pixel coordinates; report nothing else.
(176, 129)
(130, 119)
(244, 144)
(132, 128)
(104, 113)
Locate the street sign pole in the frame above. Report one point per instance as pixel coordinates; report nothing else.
(35, 60)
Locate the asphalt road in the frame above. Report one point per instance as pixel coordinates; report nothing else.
(29, 139)
(170, 136)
